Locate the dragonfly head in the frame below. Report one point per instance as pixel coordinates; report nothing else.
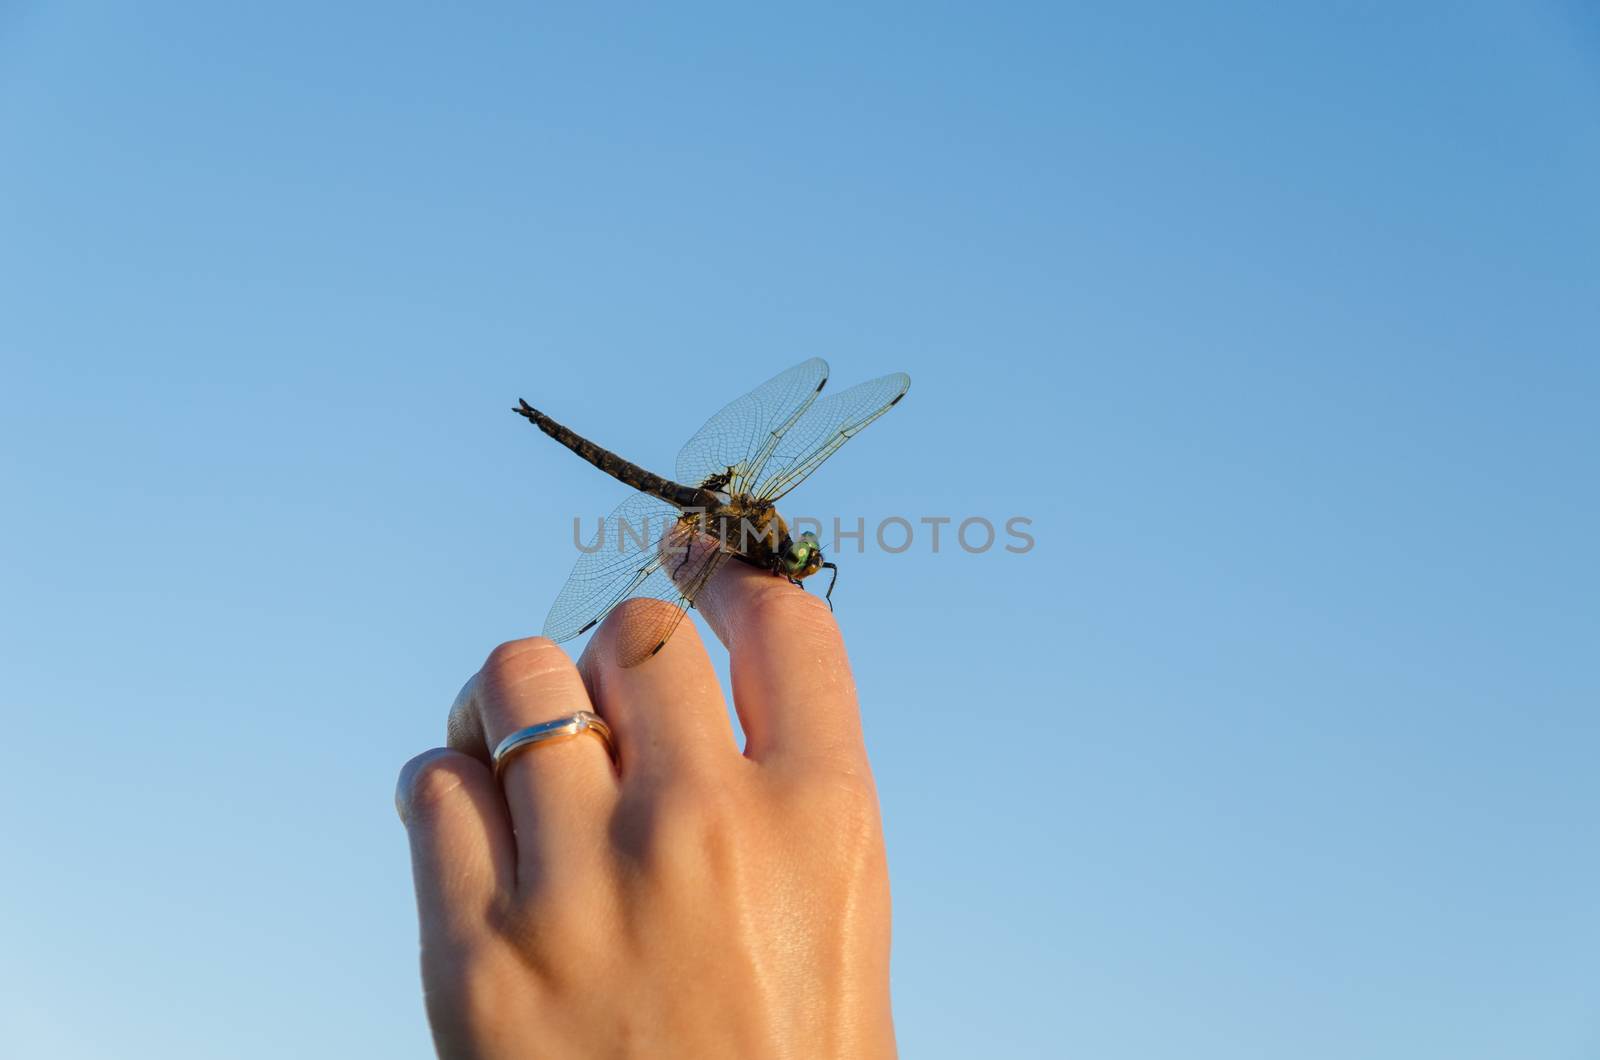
(803, 557)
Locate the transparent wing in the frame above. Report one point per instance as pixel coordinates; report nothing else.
(620, 557)
(641, 551)
(683, 572)
(745, 433)
(827, 425)
(674, 583)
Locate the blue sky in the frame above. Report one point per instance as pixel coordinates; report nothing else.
(1278, 320)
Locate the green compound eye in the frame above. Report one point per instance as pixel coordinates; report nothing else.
(802, 557)
(798, 556)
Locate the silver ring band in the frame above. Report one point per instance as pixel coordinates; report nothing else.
(558, 729)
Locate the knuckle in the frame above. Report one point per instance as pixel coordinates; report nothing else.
(641, 615)
(693, 826)
(431, 783)
(835, 815)
(846, 799)
(466, 990)
(640, 609)
(780, 609)
(518, 660)
(548, 941)
(694, 804)
(528, 923)
(639, 627)
(808, 606)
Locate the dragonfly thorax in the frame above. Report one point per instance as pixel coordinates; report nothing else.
(751, 530)
(754, 532)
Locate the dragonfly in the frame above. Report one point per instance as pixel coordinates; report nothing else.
(671, 535)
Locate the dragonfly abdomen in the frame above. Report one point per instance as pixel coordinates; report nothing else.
(623, 471)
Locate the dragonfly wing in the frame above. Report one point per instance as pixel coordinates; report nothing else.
(621, 557)
(642, 551)
(682, 573)
(827, 425)
(747, 432)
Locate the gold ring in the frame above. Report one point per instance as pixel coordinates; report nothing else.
(561, 728)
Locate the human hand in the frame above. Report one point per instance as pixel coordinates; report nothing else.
(691, 902)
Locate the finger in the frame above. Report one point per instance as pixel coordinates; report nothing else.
(560, 792)
(462, 854)
(668, 712)
(791, 679)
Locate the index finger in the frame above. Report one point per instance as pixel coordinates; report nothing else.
(791, 678)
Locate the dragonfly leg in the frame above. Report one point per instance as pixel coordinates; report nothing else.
(829, 595)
